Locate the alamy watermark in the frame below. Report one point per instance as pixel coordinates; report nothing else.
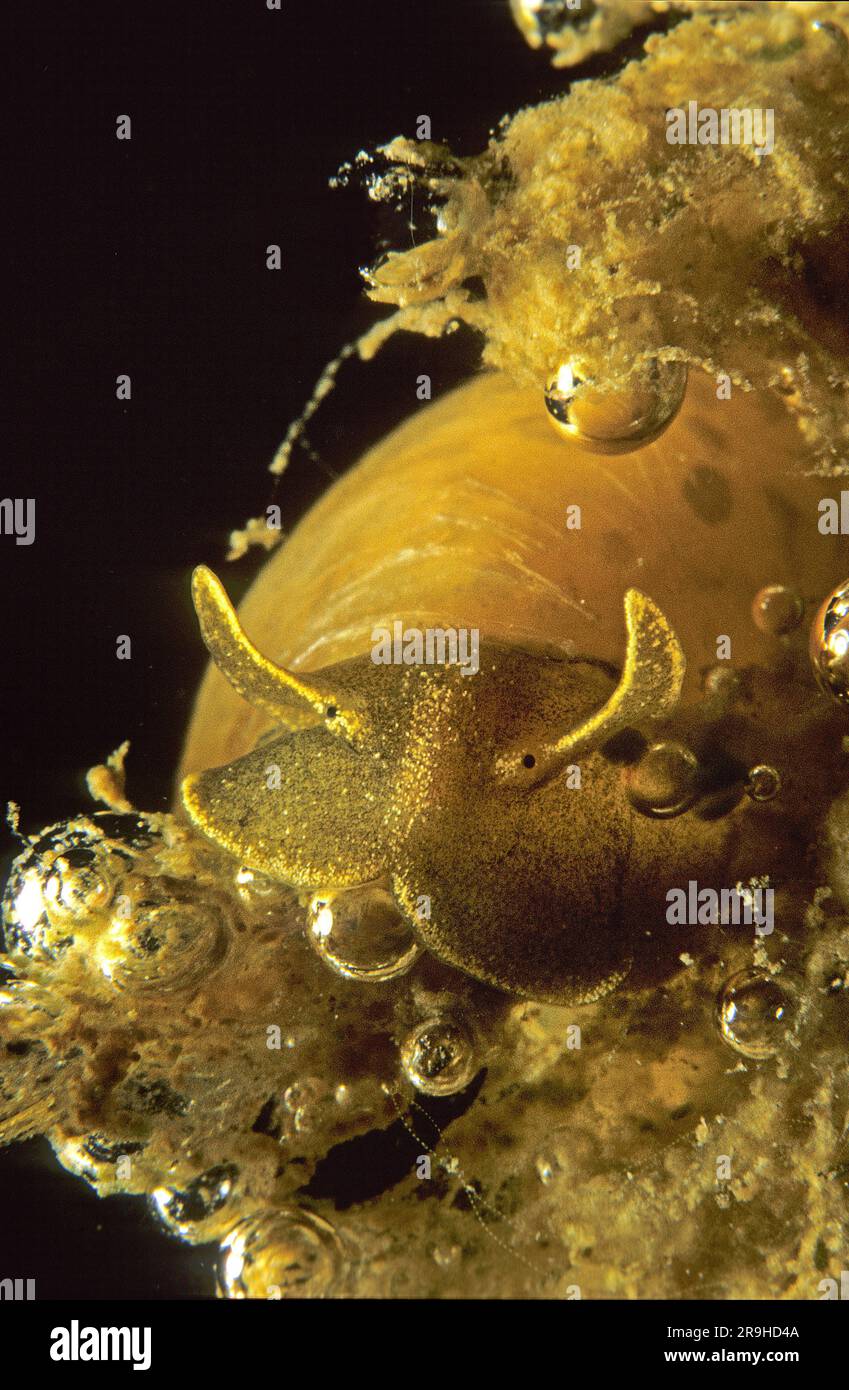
(705, 125)
(76, 1343)
(14, 1289)
(431, 646)
(693, 906)
(17, 518)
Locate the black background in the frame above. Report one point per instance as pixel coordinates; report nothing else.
(147, 257)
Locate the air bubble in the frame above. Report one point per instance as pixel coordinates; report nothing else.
(184, 1210)
(665, 781)
(829, 644)
(438, 1056)
(616, 422)
(763, 782)
(722, 686)
(163, 941)
(361, 934)
(256, 890)
(305, 1104)
(51, 891)
(756, 1011)
(62, 885)
(777, 610)
(539, 19)
(290, 1253)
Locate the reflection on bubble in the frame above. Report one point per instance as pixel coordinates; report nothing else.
(777, 610)
(287, 1253)
(438, 1056)
(665, 781)
(361, 934)
(755, 1012)
(763, 782)
(616, 422)
(829, 644)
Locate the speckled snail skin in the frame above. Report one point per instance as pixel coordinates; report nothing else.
(401, 899)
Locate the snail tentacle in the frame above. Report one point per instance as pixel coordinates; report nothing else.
(293, 703)
(651, 681)
(649, 688)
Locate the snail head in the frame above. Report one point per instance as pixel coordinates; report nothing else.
(456, 789)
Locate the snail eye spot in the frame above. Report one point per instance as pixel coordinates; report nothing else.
(331, 712)
(529, 760)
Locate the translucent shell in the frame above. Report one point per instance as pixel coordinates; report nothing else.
(498, 552)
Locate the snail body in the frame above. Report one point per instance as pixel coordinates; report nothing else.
(500, 804)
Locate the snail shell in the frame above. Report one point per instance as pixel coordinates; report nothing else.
(459, 519)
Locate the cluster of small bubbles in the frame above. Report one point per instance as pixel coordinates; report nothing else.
(183, 1209)
(66, 877)
(361, 934)
(777, 610)
(446, 1255)
(829, 644)
(303, 1102)
(665, 781)
(616, 422)
(763, 782)
(289, 1253)
(438, 1056)
(756, 1011)
(161, 937)
(50, 889)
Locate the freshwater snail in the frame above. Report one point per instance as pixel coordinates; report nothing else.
(456, 786)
